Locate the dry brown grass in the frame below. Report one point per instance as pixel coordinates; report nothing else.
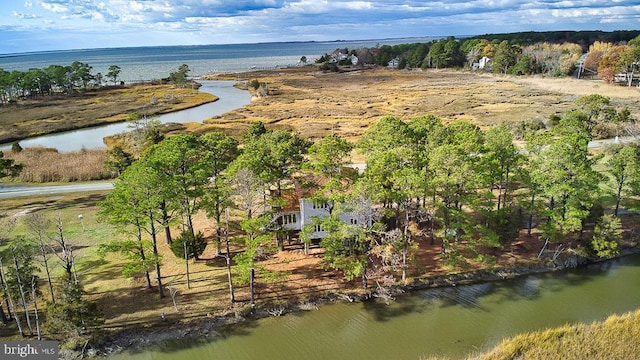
(618, 337)
(48, 165)
(316, 103)
(48, 115)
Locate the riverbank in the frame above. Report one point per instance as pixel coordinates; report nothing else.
(133, 312)
(50, 115)
(214, 327)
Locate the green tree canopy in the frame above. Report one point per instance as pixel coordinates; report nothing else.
(8, 167)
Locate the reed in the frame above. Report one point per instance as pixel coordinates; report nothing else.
(617, 337)
(48, 165)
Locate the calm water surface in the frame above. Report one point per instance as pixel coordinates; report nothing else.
(453, 322)
(156, 62)
(230, 98)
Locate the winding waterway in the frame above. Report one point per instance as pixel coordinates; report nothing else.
(453, 322)
(230, 98)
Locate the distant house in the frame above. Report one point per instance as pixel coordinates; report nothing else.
(342, 58)
(483, 64)
(393, 63)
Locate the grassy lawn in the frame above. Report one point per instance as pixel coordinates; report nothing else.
(126, 302)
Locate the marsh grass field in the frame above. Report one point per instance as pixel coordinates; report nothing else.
(41, 116)
(346, 103)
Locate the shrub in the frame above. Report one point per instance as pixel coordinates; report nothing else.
(15, 147)
(72, 318)
(521, 128)
(606, 235)
(195, 245)
(255, 84)
(506, 223)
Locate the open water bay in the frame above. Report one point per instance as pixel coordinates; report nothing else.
(156, 62)
(453, 322)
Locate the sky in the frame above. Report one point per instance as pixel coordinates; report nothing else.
(44, 25)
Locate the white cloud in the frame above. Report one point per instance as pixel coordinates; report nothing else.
(24, 16)
(55, 7)
(207, 21)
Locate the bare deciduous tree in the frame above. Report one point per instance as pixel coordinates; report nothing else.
(248, 190)
(38, 224)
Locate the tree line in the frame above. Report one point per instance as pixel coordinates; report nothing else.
(64, 79)
(518, 54)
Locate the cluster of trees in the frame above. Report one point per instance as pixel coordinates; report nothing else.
(608, 59)
(47, 81)
(469, 191)
(50, 80)
(8, 167)
(513, 54)
(59, 79)
(67, 314)
(184, 174)
(583, 38)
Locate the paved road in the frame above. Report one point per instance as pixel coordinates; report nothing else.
(10, 191)
(617, 140)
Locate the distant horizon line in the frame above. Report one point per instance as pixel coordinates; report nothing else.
(6, 55)
(9, 55)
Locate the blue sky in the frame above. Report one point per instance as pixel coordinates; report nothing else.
(41, 25)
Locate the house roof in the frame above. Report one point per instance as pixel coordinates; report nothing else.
(305, 185)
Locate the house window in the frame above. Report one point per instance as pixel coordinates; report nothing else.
(354, 221)
(318, 228)
(289, 219)
(320, 205)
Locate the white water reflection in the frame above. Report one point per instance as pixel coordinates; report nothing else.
(230, 98)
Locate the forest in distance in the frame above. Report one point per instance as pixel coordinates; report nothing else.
(427, 182)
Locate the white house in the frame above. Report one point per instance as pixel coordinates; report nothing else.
(295, 220)
(393, 63)
(300, 209)
(483, 64)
